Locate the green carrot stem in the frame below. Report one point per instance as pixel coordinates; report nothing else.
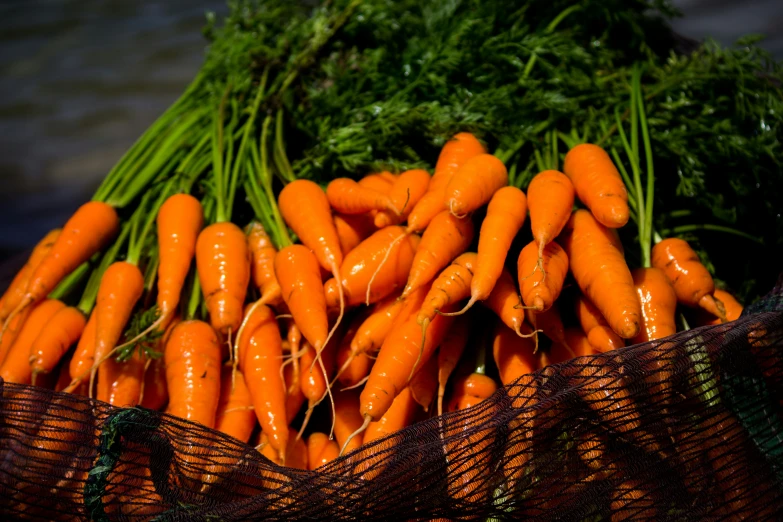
(217, 157)
(68, 284)
(682, 229)
(94, 282)
(648, 207)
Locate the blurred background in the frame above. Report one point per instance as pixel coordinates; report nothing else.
(80, 80)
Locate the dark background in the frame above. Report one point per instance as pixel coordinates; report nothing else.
(80, 80)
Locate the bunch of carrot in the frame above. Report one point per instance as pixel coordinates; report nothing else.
(368, 298)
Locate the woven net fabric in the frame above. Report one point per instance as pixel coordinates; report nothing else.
(684, 428)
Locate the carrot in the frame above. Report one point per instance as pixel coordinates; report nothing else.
(353, 368)
(120, 383)
(692, 282)
(514, 355)
(296, 452)
(374, 329)
(505, 215)
(352, 230)
(314, 383)
(260, 361)
(577, 345)
(375, 268)
(405, 193)
(262, 263)
(84, 356)
(599, 268)
(223, 265)
(320, 450)
(63, 329)
(598, 184)
(121, 286)
(732, 307)
(255, 315)
(16, 290)
(235, 416)
(659, 303)
(632, 500)
(449, 355)
(399, 415)
(549, 323)
(454, 154)
(192, 360)
(450, 287)
(473, 185)
(296, 268)
(424, 384)
(14, 328)
(16, 367)
(349, 197)
(347, 419)
(595, 327)
(445, 238)
(87, 231)
(155, 393)
(505, 302)
(381, 182)
(539, 290)
(470, 390)
(550, 196)
(294, 398)
(179, 222)
(294, 339)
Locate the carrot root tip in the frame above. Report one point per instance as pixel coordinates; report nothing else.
(367, 420)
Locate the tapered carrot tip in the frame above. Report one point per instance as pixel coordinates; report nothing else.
(713, 306)
(538, 304)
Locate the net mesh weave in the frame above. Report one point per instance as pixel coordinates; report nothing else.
(690, 427)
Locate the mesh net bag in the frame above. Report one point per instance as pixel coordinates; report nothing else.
(689, 427)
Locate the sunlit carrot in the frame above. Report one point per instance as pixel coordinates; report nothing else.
(84, 356)
(424, 384)
(598, 184)
(473, 185)
(514, 355)
(504, 300)
(353, 367)
(16, 366)
(595, 327)
(349, 197)
(120, 383)
(347, 419)
(405, 193)
(262, 263)
(550, 198)
(538, 290)
(63, 329)
(451, 286)
(320, 450)
(352, 230)
(659, 303)
(399, 415)
(470, 390)
(549, 322)
(235, 416)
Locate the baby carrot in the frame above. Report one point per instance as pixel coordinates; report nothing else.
(405, 193)
(349, 197)
(474, 184)
(399, 415)
(16, 366)
(63, 329)
(598, 184)
(235, 416)
(658, 301)
(540, 289)
(550, 196)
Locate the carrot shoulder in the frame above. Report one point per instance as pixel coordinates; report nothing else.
(598, 184)
(474, 184)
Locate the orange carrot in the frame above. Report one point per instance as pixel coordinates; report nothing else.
(399, 415)
(296, 452)
(294, 398)
(155, 393)
(550, 196)
(505, 302)
(692, 282)
(353, 368)
(294, 339)
(84, 356)
(120, 383)
(16, 367)
(454, 154)
(63, 329)
(405, 193)
(380, 182)
(549, 322)
(598, 184)
(445, 238)
(451, 286)
(377, 266)
(121, 286)
(192, 358)
(179, 222)
(658, 301)
(599, 268)
(260, 362)
(352, 230)
(540, 289)
(320, 450)
(577, 345)
(235, 416)
(300, 282)
(514, 355)
(449, 355)
(730, 304)
(315, 382)
(223, 265)
(14, 328)
(505, 215)
(470, 390)
(424, 384)
(16, 290)
(349, 197)
(347, 418)
(262, 264)
(87, 231)
(473, 185)
(595, 327)
(373, 331)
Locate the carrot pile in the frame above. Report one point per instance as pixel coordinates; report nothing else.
(241, 329)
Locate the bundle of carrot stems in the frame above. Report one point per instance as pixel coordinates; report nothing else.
(211, 279)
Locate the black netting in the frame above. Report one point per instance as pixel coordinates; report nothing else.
(686, 428)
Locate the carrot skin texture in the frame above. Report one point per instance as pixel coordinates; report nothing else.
(84, 356)
(15, 292)
(513, 354)
(454, 154)
(730, 304)
(306, 210)
(537, 290)
(550, 197)
(320, 450)
(450, 287)
(223, 265)
(352, 230)
(576, 345)
(16, 367)
(506, 214)
(399, 415)
(449, 354)
(120, 383)
(347, 419)
(600, 271)
(445, 238)
(262, 263)
(299, 276)
(595, 327)
(598, 184)
(659, 303)
(64, 329)
(471, 390)
(179, 222)
(87, 231)
(473, 185)
(374, 329)
(192, 359)
(504, 301)
(692, 283)
(405, 193)
(155, 392)
(12, 333)
(424, 384)
(261, 366)
(235, 416)
(549, 322)
(359, 366)
(349, 197)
